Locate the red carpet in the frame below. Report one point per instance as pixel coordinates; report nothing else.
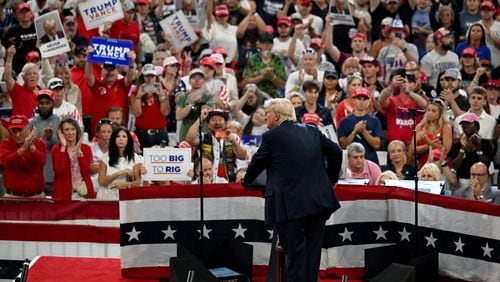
(76, 269)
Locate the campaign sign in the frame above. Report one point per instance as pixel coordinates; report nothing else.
(167, 164)
(97, 12)
(343, 19)
(110, 51)
(50, 33)
(179, 29)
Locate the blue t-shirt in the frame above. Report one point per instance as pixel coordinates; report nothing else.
(483, 52)
(373, 126)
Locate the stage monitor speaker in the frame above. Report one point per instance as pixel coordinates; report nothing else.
(396, 272)
(426, 267)
(189, 268)
(379, 258)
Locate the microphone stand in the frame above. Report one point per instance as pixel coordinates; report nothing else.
(415, 177)
(200, 180)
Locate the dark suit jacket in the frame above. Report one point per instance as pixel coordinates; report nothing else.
(299, 182)
(46, 39)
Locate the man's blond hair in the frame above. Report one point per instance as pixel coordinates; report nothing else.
(283, 107)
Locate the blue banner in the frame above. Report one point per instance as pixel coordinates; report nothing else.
(110, 51)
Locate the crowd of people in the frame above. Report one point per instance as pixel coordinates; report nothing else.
(418, 79)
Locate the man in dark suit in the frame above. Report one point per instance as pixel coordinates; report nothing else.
(299, 193)
(51, 32)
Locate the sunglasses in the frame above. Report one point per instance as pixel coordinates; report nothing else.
(105, 121)
(309, 51)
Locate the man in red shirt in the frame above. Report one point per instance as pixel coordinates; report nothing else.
(23, 96)
(127, 27)
(23, 157)
(397, 100)
(78, 78)
(110, 91)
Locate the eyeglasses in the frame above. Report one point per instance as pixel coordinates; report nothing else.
(478, 174)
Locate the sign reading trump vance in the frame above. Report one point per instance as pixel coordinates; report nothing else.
(97, 12)
(179, 29)
(110, 51)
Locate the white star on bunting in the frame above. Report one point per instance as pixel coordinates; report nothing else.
(206, 232)
(346, 235)
(431, 241)
(169, 233)
(459, 245)
(487, 250)
(405, 235)
(134, 234)
(380, 233)
(240, 231)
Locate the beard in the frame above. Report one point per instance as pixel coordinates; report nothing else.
(447, 47)
(45, 114)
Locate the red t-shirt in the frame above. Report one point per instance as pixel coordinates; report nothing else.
(123, 30)
(400, 120)
(23, 100)
(82, 30)
(105, 97)
(78, 78)
(151, 117)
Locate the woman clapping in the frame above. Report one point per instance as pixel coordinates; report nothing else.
(71, 163)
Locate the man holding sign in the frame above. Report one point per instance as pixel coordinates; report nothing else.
(110, 90)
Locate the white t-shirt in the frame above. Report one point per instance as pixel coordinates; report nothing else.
(433, 64)
(68, 109)
(105, 193)
(280, 48)
(495, 51)
(294, 77)
(218, 36)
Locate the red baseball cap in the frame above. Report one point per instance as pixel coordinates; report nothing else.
(469, 51)
(46, 92)
(487, 4)
(208, 61)
(32, 55)
(316, 42)
(492, 83)
(440, 33)
(142, 2)
(18, 121)
(22, 6)
(311, 118)
(284, 20)
(220, 50)
(221, 10)
(304, 2)
(359, 35)
(358, 92)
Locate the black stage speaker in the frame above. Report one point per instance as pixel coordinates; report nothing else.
(396, 273)
(189, 268)
(426, 266)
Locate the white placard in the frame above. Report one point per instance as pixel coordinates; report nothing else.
(167, 163)
(343, 19)
(433, 187)
(50, 32)
(180, 30)
(97, 12)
